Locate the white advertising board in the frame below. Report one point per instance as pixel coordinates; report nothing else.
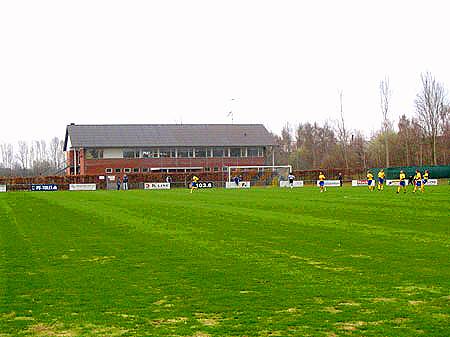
(362, 182)
(395, 182)
(330, 183)
(431, 182)
(2, 188)
(82, 187)
(297, 183)
(156, 186)
(242, 184)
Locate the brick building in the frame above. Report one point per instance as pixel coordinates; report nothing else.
(136, 148)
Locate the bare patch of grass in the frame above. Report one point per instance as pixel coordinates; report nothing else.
(23, 318)
(200, 334)
(416, 302)
(290, 311)
(41, 330)
(384, 299)
(10, 315)
(414, 289)
(267, 333)
(350, 304)
(350, 326)
(100, 259)
(169, 321)
(360, 256)
(207, 319)
(400, 320)
(331, 310)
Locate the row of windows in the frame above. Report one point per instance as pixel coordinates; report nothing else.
(146, 169)
(188, 152)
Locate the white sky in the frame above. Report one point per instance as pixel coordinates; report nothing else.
(176, 61)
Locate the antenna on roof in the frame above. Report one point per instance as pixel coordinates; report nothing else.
(230, 113)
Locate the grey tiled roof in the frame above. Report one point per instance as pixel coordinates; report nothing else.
(149, 135)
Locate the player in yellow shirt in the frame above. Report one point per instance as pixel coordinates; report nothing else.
(322, 182)
(424, 179)
(370, 180)
(194, 183)
(402, 178)
(417, 181)
(381, 180)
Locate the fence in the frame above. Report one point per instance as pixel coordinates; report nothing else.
(436, 172)
(182, 180)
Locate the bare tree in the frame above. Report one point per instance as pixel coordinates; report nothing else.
(342, 133)
(23, 155)
(385, 97)
(7, 152)
(54, 153)
(430, 104)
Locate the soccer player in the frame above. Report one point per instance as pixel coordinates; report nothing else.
(425, 179)
(194, 182)
(402, 178)
(125, 182)
(370, 180)
(322, 182)
(417, 181)
(381, 180)
(291, 178)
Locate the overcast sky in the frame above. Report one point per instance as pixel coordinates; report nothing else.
(172, 61)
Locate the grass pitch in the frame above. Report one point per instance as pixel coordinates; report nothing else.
(260, 262)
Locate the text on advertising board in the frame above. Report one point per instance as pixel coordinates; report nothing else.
(2, 188)
(44, 187)
(242, 184)
(362, 182)
(82, 187)
(205, 184)
(296, 183)
(331, 183)
(156, 186)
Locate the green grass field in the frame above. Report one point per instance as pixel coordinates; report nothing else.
(260, 262)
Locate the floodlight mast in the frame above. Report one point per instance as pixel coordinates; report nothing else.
(257, 167)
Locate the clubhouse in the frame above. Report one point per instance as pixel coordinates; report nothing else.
(142, 148)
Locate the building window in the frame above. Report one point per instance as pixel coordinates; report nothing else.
(94, 154)
(207, 169)
(108, 170)
(117, 170)
(261, 152)
(216, 169)
(235, 152)
(127, 170)
(185, 153)
(167, 153)
(164, 153)
(200, 152)
(130, 153)
(150, 153)
(144, 169)
(252, 152)
(218, 152)
(225, 168)
(136, 170)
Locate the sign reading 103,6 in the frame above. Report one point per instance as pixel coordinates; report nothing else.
(205, 184)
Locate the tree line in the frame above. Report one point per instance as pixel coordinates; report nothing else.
(423, 139)
(32, 158)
